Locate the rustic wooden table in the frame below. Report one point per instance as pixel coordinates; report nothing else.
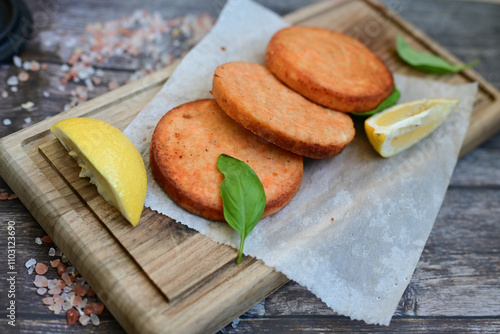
(456, 285)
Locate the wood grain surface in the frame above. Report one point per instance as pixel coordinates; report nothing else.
(455, 287)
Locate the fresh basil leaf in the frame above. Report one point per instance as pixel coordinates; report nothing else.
(388, 102)
(243, 197)
(427, 62)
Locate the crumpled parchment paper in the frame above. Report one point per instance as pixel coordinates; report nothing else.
(354, 232)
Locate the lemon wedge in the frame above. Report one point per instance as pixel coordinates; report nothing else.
(398, 128)
(109, 159)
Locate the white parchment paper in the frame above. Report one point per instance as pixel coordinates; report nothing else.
(355, 230)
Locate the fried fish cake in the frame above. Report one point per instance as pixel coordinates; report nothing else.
(329, 68)
(251, 95)
(184, 151)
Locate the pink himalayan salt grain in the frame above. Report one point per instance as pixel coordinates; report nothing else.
(23, 76)
(55, 291)
(90, 292)
(61, 269)
(84, 320)
(66, 278)
(54, 263)
(72, 316)
(57, 308)
(58, 299)
(60, 284)
(93, 308)
(47, 239)
(113, 85)
(12, 196)
(79, 290)
(4, 196)
(77, 300)
(40, 281)
(41, 291)
(41, 268)
(48, 300)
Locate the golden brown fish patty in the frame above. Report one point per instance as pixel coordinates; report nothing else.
(251, 95)
(329, 68)
(184, 151)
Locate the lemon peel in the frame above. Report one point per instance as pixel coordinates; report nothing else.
(109, 159)
(403, 125)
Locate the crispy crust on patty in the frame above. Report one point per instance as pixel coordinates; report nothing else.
(329, 68)
(251, 95)
(184, 151)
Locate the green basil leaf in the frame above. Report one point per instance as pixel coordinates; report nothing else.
(427, 62)
(388, 102)
(243, 197)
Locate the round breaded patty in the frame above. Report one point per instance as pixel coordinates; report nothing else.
(329, 68)
(184, 150)
(251, 95)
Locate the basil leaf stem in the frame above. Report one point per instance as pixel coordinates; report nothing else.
(388, 102)
(243, 197)
(427, 62)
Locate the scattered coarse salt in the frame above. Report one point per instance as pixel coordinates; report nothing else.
(72, 316)
(61, 269)
(57, 308)
(40, 281)
(38, 241)
(52, 283)
(46, 94)
(13, 89)
(95, 320)
(5, 94)
(54, 263)
(28, 105)
(30, 262)
(55, 291)
(31, 269)
(235, 323)
(47, 239)
(67, 305)
(93, 308)
(35, 66)
(70, 270)
(12, 81)
(66, 278)
(7, 122)
(77, 300)
(58, 299)
(79, 290)
(65, 67)
(83, 303)
(23, 76)
(68, 288)
(84, 320)
(48, 300)
(58, 252)
(27, 120)
(17, 61)
(113, 85)
(27, 65)
(52, 251)
(41, 291)
(41, 268)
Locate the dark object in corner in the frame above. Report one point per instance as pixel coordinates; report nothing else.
(16, 27)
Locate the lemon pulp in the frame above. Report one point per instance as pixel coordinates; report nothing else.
(400, 127)
(109, 159)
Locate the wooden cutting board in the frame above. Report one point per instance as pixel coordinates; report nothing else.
(162, 276)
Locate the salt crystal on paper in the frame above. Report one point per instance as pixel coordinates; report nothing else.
(31, 269)
(38, 241)
(95, 320)
(12, 81)
(7, 122)
(52, 251)
(30, 263)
